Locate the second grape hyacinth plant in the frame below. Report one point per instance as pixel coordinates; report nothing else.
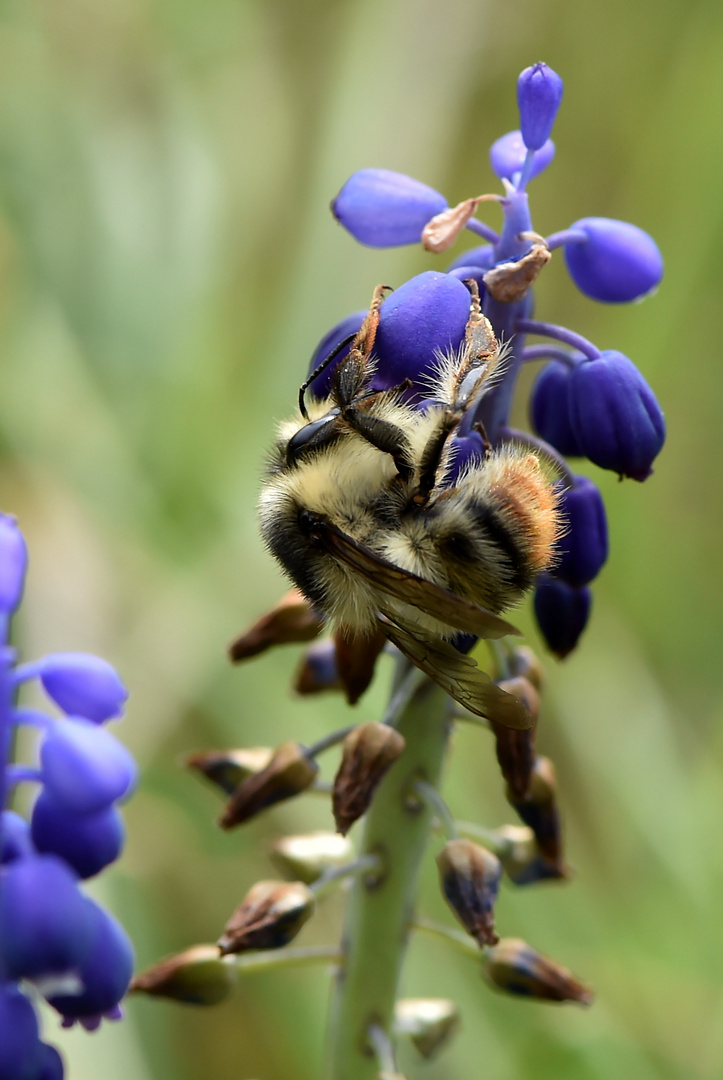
(410, 516)
(56, 943)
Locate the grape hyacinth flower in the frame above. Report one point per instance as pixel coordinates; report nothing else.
(53, 938)
(587, 402)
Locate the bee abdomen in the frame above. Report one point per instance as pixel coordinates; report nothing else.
(507, 541)
(526, 505)
(506, 525)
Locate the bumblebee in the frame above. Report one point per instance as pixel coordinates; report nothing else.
(359, 508)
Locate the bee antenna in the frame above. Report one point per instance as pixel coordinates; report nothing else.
(318, 370)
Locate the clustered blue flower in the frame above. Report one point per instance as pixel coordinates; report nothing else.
(586, 402)
(56, 942)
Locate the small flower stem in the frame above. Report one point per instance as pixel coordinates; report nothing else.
(377, 925)
(371, 863)
(402, 696)
(328, 741)
(526, 170)
(19, 774)
(381, 1044)
(489, 838)
(559, 333)
(29, 670)
(430, 795)
(532, 353)
(494, 407)
(566, 236)
(453, 937)
(6, 695)
(483, 230)
(284, 958)
(31, 717)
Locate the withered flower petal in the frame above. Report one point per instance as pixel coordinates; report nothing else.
(516, 749)
(291, 620)
(428, 1022)
(229, 768)
(289, 772)
(516, 968)
(269, 917)
(521, 858)
(197, 976)
(369, 751)
(318, 670)
(356, 658)
(510, 281)
(306, 858)
(470, 879)
(525, 662)
(538, 809)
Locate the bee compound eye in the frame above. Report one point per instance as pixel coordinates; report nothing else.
(310, 523)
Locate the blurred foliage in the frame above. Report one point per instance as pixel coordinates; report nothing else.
(167, 264)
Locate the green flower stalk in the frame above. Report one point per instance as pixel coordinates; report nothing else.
(411, 517)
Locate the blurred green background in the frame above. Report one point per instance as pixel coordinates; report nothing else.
(167, 265)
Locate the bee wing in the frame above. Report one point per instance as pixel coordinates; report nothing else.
(414, 590)
(459, 675)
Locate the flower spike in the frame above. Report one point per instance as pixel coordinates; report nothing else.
(539, 93)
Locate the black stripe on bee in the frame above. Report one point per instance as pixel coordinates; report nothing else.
(490, 521)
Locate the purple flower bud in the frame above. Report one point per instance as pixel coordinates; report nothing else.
(13, 563)
(321, 385)
(539, 93)
(584, 546)
(550, 408)
(51, 1067)
(318, 670)
(479, 258)
(16, 840)
(618, 262)
(616, 419)
(562, 613)
(83, 685)
(508, 153)
(473, 265)
(44, 926)
(87, 842)
(84, 766)
(425, 316)
(471, 273)
(21, 1052)
(105, 972)
(385, 209)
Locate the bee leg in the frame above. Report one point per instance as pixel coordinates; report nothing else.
(434, 451)
(351, 377)
(480, 340)
(386, 436)
(480, 429)
(405, 384)
(432, 456)
(368, 330)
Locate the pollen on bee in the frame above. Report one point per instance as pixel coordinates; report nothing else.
(529, 500)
